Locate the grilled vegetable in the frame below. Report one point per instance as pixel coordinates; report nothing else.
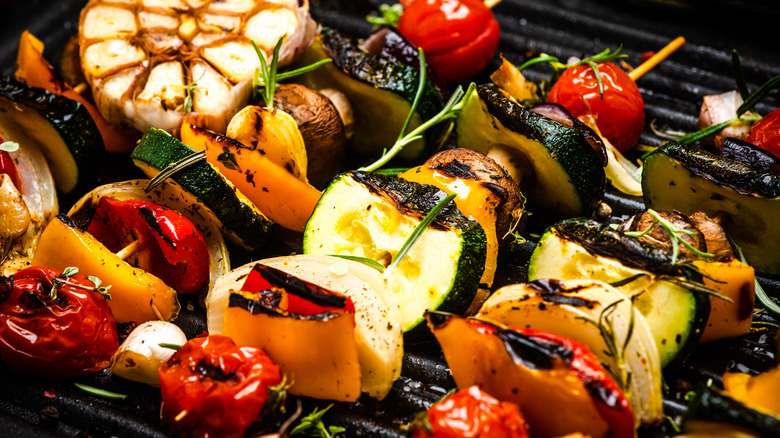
(370, 215)
(579, 249)
(167, 194)
(53, 324)
(308, 330)
(714, 412)
(377, 331)
(486, 193)
(554, 166)
(136, 295)
(551, 376)
(213, 387)
(145, 62)
(598, 316)
(381, 93)
(240, 219)
(687, 179)
(141, 355)
(60, 128)
(766, 133)
(719, 108)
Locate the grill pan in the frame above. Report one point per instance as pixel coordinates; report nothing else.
(34, 407)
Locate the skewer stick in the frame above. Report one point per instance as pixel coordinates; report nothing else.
(491, 3)
(129, 250)
(181, 415)
(657, 58)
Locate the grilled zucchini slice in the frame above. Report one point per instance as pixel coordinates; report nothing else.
(370, 215)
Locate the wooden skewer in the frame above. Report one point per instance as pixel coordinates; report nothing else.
(129, 250)
(181, 415)
(491, 3)
(657, 58)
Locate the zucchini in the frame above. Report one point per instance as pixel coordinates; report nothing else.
(371, 215)
(381, 93)
(61, 128)
(714, 411)
(241, 221)
(560, 170)
(687, 179)
(583, 249)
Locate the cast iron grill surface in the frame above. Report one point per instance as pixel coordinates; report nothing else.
(39, 408)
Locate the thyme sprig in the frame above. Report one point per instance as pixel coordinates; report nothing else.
(761, 294)
(70, 271)
(266, 77)
(615, 347)
(100, 392)
(450, 111)
(606, 55)
(417, 233)
(189, 89)
(312, 425)
(674, 234)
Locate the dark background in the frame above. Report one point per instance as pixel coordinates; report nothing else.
(672, 92)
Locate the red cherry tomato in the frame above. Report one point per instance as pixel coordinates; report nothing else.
(766, 133)
(473, 413)
(7, 167)
(172, 247)
(212, 387)
(72, 335)
(620, 114)
(459, 37)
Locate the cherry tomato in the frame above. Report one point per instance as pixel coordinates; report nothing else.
(172, 248)
(473, 413)
(212, 387)
(459, 37)
(766, 133)
(71, 335)
(620, 114)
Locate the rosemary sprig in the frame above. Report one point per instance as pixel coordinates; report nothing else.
(674, 234)
(269, 73)
(100, 392)
(615, 348)
(392, 171)
(739, 75)
(70, 272)
(366, 261)
(417, 233)
(170, 346)
(388, 15)
(172, 168)
(312, 425)
(761, 294)
(9, 146)
(757, 95)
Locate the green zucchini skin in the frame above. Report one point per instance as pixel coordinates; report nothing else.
(675, 338)
(565, 148)
(412, 200)
(80, 137)
(371, 81)
(688, 179)
(714, 406)
(241, 219)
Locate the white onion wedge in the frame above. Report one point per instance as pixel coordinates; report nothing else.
(140, 355)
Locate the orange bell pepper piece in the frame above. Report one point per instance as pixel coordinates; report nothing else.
(33, 69)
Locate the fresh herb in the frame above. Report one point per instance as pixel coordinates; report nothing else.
(100, 392)
(450, 111)
(628, 280)
(417, 233)
(312, 425)
(228, 159)
(366, 261)
(666, 133)
(70, 272)
(170, 346)
(189, 89)
(739, 75)
(267, 82)
(689, 396)
(514, 222)
(392, 171)
(757, 95)
(674, 235)
(615, 348)
(592, 61)
(761, 294)
(9, 146)
(388, 15)
(673, 424)
(172, 168)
